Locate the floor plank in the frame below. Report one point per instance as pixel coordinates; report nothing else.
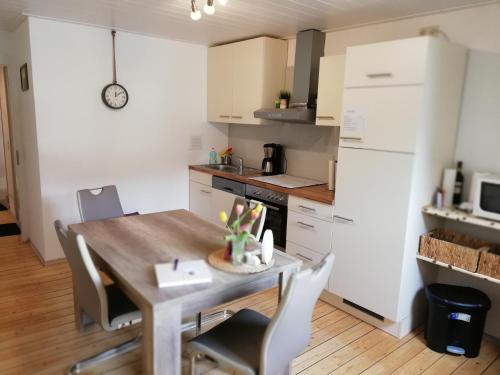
(38, 335)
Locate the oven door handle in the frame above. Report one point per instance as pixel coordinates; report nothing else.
(264, 204)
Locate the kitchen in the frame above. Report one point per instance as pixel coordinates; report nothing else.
(352, 87)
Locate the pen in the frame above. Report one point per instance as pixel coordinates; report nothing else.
(176, 263)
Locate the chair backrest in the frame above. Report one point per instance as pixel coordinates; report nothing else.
(99, 203)
(88, 286)
(288, 332)
(258, 226)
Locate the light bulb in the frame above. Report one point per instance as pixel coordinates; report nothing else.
(209, 8)
(195, 12)
(196, 15)
(223, 2)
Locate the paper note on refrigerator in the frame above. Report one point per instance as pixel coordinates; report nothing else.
(354, 122)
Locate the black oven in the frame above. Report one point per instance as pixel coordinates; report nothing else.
(277, 210)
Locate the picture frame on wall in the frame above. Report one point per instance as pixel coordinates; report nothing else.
(25, 85)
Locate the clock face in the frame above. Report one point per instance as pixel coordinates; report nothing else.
(114, 96)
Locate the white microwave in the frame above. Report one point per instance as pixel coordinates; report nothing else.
(486, 196)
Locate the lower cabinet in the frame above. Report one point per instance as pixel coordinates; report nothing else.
(200, 199)
(307, 256)
(309, 231)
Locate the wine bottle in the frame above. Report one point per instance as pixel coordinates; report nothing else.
(459, 185)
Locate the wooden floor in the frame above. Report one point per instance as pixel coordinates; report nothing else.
(37, 333)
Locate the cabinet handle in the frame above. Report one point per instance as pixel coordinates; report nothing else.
(224, 116)
(351, 138)
(304, 257)
(228, 189)
(305, 225)
(205, 191)
(237, 117)
(346, 219)
(307, 208)
(379, 75)
(325, 117)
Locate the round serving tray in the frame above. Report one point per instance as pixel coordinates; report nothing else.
(216, 259)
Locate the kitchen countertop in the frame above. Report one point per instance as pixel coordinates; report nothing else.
(318, 193)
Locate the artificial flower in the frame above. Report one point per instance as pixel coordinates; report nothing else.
(223, 217)
(239, 209)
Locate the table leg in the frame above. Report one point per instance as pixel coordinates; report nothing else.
(162, 340)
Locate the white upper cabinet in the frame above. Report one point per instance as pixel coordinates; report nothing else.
(400, 62)
(330, 89)
(244, 77)
(220, 83)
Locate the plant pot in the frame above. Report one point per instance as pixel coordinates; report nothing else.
(283, 103)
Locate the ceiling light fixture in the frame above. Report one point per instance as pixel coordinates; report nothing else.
(195, 12)
(222, 2)
(209, 8)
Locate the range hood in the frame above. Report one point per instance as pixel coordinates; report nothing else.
(310, 47)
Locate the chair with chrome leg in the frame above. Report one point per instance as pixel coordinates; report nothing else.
(251, 343)
(106, 305)
(99, 203)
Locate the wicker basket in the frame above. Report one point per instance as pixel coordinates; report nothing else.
(489, 263)
(453, 248)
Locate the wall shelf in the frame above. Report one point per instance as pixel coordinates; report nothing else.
(457, 215)
(446, 265)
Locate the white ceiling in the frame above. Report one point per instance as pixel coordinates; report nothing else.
(237, 20)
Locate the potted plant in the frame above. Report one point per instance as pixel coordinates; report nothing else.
(284, 99)
(240, 232)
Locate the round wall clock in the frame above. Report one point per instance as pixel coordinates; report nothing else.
(114, 95)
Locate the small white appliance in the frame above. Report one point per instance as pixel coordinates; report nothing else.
(486, 196)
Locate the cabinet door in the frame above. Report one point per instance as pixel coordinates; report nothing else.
(308, 257)
(397, 62)
(221, 201)
(370, 214)
(248, 80)
(200, 197)
(330, 89)
(220, 83)
(381, 118)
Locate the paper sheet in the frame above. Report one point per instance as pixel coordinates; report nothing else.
(354, 122)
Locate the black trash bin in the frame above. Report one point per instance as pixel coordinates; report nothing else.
(455, 319)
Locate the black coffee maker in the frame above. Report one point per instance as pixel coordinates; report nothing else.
(274, 159)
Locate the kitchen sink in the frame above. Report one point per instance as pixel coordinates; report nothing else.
(224, 168)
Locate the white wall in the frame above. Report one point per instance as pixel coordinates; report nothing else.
(5, 39)
(143, 148)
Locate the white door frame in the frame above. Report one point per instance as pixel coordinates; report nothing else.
(6, 128)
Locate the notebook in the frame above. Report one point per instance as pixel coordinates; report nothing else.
(187, 273)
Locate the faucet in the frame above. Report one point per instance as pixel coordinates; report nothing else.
(239, 165)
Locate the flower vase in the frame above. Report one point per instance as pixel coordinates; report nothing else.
(238, 251)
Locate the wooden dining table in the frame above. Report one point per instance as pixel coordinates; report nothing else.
(130, 246)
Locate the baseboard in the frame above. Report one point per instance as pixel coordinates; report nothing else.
(398, 329)
(40, 257)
